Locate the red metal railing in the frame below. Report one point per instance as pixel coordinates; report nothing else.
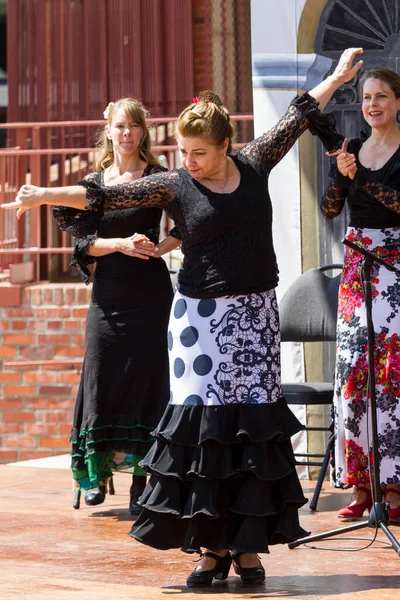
(36, 237)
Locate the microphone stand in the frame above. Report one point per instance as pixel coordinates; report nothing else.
(378, 516)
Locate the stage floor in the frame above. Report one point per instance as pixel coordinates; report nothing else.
(51, 552)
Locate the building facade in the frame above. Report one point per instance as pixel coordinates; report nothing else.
(74, 56)
(66, 59)
(295, 44)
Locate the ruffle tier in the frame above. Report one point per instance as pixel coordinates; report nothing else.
(222, 477)
(99, 449)
(192, 425)
(96, 434)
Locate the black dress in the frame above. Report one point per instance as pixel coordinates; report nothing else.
(222, 469)
(124, 387)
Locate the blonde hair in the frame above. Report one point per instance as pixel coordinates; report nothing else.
(207, 117)
(136, 112)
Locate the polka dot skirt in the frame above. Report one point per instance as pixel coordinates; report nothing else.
(224, 350)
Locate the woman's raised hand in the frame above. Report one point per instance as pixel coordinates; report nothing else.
(28, 197)
(137, 246)
(345, 69)
(346, 162)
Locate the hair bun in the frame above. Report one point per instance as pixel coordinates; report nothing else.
(209, 96)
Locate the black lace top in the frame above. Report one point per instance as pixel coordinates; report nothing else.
(373, 197)
(227, 238)
(86, 226)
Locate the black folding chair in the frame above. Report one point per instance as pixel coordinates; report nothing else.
(308, 313)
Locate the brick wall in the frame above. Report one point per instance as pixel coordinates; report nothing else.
(202, 46)
(41, 350)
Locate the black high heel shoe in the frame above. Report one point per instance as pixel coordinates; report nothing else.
(220, 571)
(95, 497)
(249, 575)
(77, 497)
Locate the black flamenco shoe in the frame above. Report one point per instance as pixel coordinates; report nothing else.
(136, 490)
(249, 575)
(220, 571)
(90, 495)
(95, 497)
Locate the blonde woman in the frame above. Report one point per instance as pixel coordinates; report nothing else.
(124, 386)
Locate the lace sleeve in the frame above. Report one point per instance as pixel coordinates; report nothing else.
(333, 200)
(384, 194)
(156, 191)
(79, 223)
(323, 125)
(266, 151)
(80, 258)
(82, 225)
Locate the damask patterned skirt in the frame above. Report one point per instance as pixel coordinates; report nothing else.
(222, 467)
(353, 445)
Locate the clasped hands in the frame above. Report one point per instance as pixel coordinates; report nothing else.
(346, 162)
(137, 246)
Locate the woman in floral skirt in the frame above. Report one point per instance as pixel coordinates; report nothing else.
(368, 176)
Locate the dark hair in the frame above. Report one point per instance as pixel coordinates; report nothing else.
(135, 111)
(386, 75)
(207, 117)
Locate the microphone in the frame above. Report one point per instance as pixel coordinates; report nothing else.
(370, 255)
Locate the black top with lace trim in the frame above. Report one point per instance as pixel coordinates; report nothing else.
(227, 238)
(86, 226)
(373, 197)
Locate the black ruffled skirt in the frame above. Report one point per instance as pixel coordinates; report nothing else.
(222, 466)
(124, 386)
(222, 477)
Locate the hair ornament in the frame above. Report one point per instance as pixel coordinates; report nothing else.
(209, 96)
(106, 113)
(195, 100)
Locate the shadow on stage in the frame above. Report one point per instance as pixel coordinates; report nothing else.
(295, 587)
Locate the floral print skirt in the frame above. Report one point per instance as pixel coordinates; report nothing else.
(353, 449)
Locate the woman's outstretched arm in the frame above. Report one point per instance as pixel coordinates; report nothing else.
(266, 151)
(30, 196)
(155, 190)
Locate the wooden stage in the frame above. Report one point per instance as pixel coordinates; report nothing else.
(51, 552)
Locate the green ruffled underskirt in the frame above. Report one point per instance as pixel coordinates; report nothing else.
(98, 452)
(99, 466)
